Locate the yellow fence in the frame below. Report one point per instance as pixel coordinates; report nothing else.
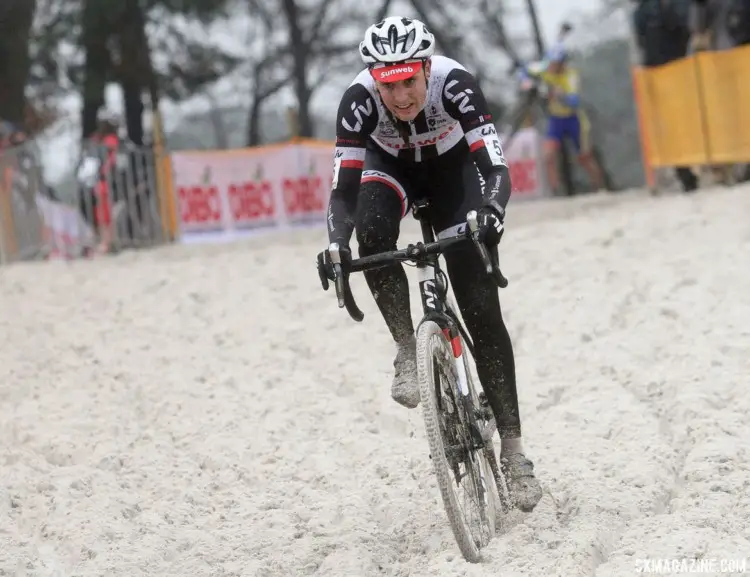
(696, 110)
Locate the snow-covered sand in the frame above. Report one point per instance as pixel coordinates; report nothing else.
(208, 410)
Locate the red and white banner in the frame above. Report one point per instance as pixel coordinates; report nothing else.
(242, 190)
(278, 186)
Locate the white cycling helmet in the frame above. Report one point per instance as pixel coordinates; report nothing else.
(395, 48)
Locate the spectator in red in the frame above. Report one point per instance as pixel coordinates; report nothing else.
(107, 139)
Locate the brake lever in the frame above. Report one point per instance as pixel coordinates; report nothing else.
(343, 291)
(492, 268)
(472, 220)
(334, 251)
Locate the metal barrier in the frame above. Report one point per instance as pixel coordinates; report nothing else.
(21, 224)
(127, 180)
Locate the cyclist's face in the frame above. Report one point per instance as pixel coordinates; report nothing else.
(406, 98)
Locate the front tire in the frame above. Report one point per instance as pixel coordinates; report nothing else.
(450, 445)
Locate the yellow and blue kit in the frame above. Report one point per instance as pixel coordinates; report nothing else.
(566, 118)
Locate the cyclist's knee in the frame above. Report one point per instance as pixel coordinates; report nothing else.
(378, 218)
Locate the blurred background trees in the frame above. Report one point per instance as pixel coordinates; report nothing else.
(258, 65)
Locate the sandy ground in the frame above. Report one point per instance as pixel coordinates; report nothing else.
(208, 410)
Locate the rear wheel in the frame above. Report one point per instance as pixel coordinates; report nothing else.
(463, 474)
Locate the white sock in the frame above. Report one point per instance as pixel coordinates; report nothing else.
(509, 446)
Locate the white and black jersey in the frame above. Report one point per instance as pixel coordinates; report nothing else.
(455, 119)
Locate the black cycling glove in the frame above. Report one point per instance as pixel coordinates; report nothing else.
(490, 226)
(325, 266)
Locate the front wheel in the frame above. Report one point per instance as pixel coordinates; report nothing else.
(463, 474)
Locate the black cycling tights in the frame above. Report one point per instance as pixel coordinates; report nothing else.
(377, 226)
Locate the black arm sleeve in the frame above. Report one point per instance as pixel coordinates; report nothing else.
(464, 101)
(356, 119)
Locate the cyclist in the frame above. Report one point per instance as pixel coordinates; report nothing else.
(566, 118)
(413, 125)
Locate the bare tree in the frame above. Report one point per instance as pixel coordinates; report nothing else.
(300, 43)
(433, 14)
(133, 67)
(312, 48)
(267, 75)
(494, 18)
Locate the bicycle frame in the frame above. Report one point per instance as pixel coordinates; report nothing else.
(434, 301)
(436, 307)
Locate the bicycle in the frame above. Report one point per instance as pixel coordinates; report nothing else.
(458, 420)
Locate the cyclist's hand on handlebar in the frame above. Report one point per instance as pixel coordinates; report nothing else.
(326, 264)
(490, 226)
(334, 264)
(486, 229)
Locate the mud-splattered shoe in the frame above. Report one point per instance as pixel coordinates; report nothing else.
(405, 390)
(525, 490)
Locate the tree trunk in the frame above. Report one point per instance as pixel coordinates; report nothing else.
(253, 123)
(134, 67)
(299, 55)
(14, 58)
(98, 60)
(260, 95)
(538, 40)
(132, 94)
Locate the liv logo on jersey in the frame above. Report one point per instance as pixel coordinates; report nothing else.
(463, 106)
(358, 109)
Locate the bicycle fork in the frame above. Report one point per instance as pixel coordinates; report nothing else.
(431, 290)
